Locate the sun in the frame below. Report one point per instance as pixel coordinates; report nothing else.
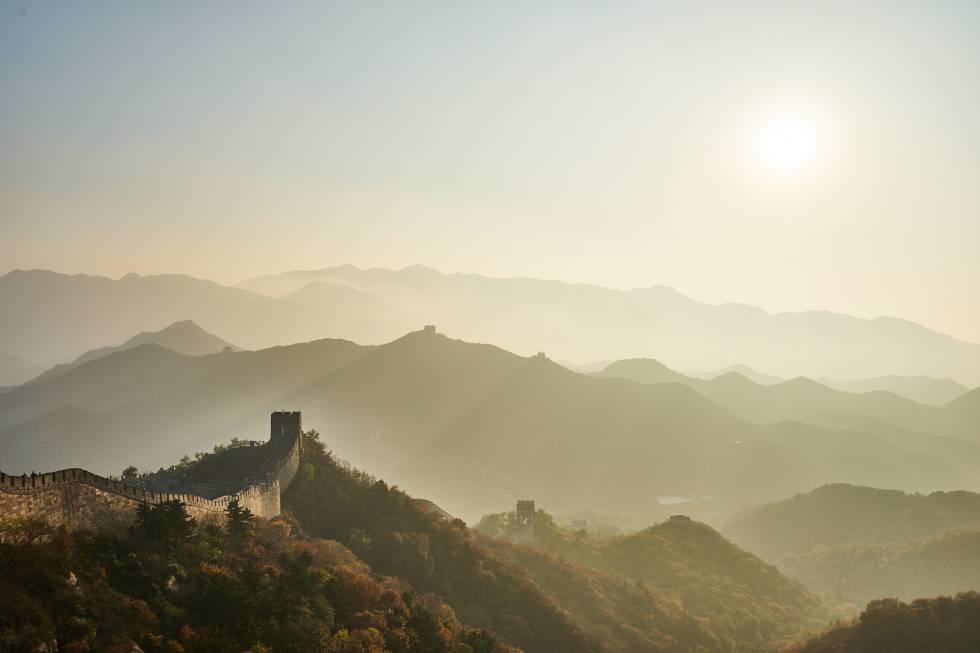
(786, 144)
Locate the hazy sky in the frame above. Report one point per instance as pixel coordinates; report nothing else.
(615, 143)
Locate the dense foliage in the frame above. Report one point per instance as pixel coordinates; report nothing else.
(173, 585)
(939, 625)
(403, 537)
(745, 603)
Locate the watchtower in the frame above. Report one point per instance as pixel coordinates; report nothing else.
(286, 428)
(525, 513)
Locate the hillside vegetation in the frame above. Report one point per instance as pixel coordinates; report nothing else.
(939, 625)
(172, 585)
(854, 544)
(745, 602)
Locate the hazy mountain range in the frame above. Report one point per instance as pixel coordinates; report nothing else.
(583, 322)
(853, 544)
(52, 318)
(182, 337)
(474, 426)
(922, 389)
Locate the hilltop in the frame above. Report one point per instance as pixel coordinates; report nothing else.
(922, 389)
(183, 337)
(747, 603)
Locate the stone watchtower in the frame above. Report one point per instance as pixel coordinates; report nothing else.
(286, 428)
(525, 513)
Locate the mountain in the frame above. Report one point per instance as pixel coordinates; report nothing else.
(855, 573)
(967, 407)
(946, 433)
(747, 602)
(494, 585)
(357, 565)
(183, 337)
(642, 370)
(58, 317)
(839, 514)
(747, 372)
(16, 369)
(938, 624)
(922, 389)
(854, 544)
(575, 321)
(149, 405)
(469, 425)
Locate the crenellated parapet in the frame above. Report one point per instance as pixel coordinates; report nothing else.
(78, 499)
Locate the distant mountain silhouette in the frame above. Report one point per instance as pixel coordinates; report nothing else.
(16, 369)
(148, 404)
(747, 372)
(841, 514)
(58, 317)
(472, 426)
(932, 430)
(580, 322)
(967, 407)
(183, 337)
(922, 389)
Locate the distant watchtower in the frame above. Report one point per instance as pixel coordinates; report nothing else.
(429, 328)
(525, 513)
(286, 428)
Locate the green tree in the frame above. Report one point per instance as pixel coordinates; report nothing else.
(240, 522)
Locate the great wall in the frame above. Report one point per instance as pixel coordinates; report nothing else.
(77, 499)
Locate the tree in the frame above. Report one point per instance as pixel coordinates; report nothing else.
(239, 523)
(166, 524)
(130, 473)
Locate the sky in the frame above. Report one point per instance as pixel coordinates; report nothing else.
(625, 144)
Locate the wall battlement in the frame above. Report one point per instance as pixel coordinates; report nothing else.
(78, 499)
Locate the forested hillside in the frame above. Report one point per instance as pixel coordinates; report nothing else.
(746, 603)
(939, 625)
(855, 544)
(171, 585)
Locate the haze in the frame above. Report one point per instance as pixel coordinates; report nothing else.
(613, 145)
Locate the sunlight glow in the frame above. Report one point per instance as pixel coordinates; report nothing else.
(787, 143)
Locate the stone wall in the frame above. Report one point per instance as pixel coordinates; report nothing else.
(78, 499)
